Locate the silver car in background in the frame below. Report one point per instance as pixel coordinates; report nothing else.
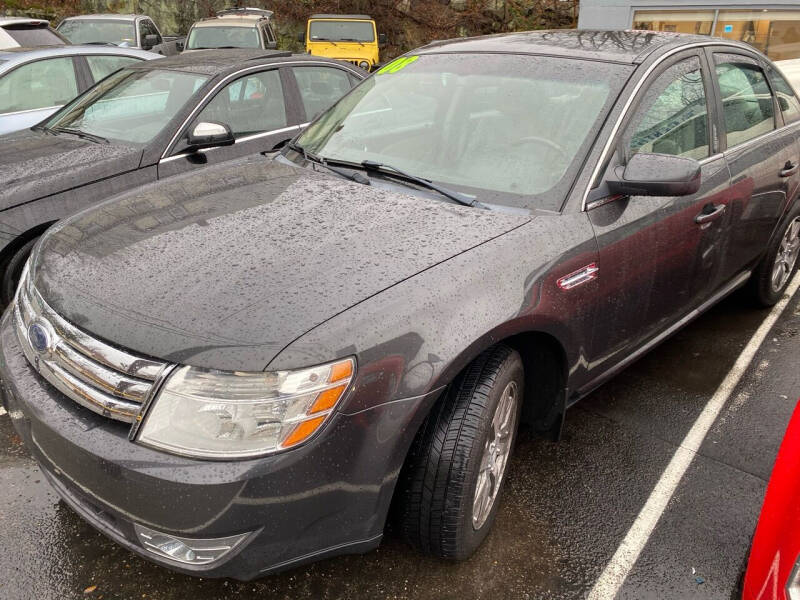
(35, 82)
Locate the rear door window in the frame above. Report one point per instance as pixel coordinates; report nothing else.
(320, 88)
(251, 104)
(748, 107)
(102, 66)
(41, 84)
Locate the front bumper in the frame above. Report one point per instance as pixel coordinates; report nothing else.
(326, 498)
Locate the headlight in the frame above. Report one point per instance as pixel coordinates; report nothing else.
(364, 65)
(222, 414)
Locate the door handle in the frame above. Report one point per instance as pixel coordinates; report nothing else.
(710, 212)
(789, 169)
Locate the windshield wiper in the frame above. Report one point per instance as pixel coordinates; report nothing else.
(356, 176)
(352, 40)
(371, 165)
(325, 40)
(82, 134)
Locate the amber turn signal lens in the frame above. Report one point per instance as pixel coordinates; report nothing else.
(327, 399)
(302, 431)
(342, 370)
(340, 374)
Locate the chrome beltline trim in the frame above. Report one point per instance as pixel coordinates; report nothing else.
(239, 141)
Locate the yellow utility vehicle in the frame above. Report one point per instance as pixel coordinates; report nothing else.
(353, 38)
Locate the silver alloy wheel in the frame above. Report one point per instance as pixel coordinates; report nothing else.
(787, 255)
(495, 455)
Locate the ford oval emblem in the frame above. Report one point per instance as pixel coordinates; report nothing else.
(39, 337)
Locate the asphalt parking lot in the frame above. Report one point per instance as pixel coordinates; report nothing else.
(567, 508)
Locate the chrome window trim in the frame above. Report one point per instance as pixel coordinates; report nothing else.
(629, 102)
(239, 141)
(222, 82)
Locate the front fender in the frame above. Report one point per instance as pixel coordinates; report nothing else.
(417, 335)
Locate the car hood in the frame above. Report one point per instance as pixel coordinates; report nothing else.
(225, 267)
(34, 164)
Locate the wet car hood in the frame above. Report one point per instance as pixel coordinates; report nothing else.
(225, 267)
(34, 164)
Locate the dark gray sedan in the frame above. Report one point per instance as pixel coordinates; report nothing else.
(242, 370)
(150, 121)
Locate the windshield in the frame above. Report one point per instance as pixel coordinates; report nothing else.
(220, 37)
(507, 129)
(130, 105)
(89, 31)
(356, 31)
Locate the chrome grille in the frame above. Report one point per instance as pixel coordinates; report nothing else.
(104, 379)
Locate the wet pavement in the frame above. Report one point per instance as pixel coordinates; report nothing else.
(567, 507)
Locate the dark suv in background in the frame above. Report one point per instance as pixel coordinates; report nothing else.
(239, 370)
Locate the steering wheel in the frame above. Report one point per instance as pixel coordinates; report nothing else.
(535, 139)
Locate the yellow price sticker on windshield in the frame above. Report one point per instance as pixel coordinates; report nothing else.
(396, 65)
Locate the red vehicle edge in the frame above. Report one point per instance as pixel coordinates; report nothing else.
(773, 570)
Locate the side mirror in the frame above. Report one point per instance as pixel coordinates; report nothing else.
(210, 135)
(382, 39)
(656, 175)
(301, 37)
(149, 41)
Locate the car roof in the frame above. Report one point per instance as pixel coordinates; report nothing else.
(215, 62)
(21, 55)
(629, 46)
(354, 17)
(109, 16)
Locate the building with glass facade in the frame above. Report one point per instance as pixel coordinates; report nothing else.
(773, 28)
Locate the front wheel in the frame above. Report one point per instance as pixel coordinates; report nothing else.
(455, 471)
(773, 274)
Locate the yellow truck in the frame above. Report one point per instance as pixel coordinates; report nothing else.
(353, 38)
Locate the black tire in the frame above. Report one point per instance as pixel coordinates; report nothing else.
(439, 479)
(761, 281)
(13, 271)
